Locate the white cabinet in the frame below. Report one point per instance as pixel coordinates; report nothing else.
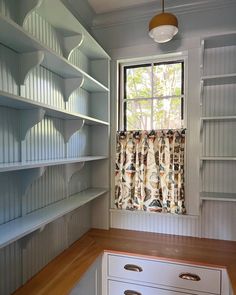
(131, 275)
(218, 119)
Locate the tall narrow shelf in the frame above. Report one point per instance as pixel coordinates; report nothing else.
(218, 79)
(20, 227)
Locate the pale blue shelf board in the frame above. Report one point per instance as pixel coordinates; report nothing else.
(224, 197)
(6, 167)
(22, 103)
(20, 227)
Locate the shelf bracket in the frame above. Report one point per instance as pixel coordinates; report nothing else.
(25, 8)
(70, 127)
(70, 85)
(70, 43)
(30, 118)
(27, 177)
(26, 239)
(27, 62)
(71, 169)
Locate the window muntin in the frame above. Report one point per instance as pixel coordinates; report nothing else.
(152, 96)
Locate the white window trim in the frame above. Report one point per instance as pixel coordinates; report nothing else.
(153, 59)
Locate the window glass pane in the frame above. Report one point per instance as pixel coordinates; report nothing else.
(138, 82)
(167, 79)
(167, 113)
(138, 114)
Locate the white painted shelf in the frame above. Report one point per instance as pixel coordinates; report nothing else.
(219, 79)
(22, 103)
(20, 227)
(219, 118)
(225, 197)
(5, 167)
(16, 38)
(218, 158)
(220, 40)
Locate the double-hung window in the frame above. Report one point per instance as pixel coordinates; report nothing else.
(152, 96)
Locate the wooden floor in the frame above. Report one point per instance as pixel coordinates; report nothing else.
(60, 275)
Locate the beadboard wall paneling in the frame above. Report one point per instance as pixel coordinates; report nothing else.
(219, 100)
(41, 247)
(218, 220)
(48, 189)
(219, 176)
(154, 222)
(8, 70)
(10, 197)
(79, 144)
(79, 102)
(44, 141)
(9, 135)
(99, 106)
(219, 138)
(220, 60)
(80, 60)
(81, 180)
(43, 31)
(79, 223)
(45, 87)
(10, 268)
(7, 8)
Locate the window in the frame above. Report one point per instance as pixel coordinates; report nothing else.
(152, 96)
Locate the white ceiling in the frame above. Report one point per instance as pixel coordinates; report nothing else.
(101, 6)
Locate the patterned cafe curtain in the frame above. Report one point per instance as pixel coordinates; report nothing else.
(150, 171)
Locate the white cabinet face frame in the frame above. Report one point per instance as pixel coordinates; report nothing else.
(212, 280)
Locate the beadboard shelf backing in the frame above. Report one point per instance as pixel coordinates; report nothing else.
(21, 103)
(224, 197)
(36, 164)
(20, 227)
(16, 38)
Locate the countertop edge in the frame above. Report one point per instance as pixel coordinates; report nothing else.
(77, 259)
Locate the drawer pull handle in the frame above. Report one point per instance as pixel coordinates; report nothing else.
(131, 292)
(133, 267)
(189, 276)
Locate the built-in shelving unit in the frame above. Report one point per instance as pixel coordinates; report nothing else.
(54, 132)
(218, 121)
(27, 224)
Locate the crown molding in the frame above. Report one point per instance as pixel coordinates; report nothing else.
(82, 11)
(145, 12)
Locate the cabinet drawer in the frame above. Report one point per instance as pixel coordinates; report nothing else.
(120, 288)
(164, 273)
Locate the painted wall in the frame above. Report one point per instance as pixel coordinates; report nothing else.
(130, 39)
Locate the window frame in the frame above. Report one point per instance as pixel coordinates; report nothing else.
(122, 119)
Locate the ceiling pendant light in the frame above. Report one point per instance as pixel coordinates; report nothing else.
(163, 27)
